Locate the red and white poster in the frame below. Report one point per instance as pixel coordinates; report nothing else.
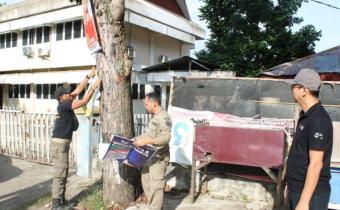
(90, 27)
(184, 121)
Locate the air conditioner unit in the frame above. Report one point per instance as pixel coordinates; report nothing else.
(44, 51)
(164, 58)
(28, 51)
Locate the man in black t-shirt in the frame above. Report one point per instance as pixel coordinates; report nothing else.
(65, 124)
(308, 165)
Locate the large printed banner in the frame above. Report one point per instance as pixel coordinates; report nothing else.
(183, 128)
(90, 27)
(123, 150)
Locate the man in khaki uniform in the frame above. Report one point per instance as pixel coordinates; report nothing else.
(158, 134)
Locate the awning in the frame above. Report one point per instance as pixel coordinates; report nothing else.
(44, 77)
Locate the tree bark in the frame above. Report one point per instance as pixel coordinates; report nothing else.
(120, 182)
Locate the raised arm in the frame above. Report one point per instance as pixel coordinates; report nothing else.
(79, 103)
(83, 83)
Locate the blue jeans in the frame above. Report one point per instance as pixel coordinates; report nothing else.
(318, 201)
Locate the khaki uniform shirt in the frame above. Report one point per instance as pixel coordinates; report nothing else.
(159, 128)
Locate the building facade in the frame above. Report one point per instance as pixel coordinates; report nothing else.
(43, 45)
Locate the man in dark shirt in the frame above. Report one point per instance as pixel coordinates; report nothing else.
(308, 166)
(65, 124)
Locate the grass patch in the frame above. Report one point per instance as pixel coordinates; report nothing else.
(39, 202)
(93, 199)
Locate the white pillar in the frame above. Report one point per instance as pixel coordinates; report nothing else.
(163, 94)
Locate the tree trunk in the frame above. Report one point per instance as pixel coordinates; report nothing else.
(120, 182)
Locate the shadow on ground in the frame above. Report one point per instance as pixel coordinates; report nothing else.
(7, 170)
(22, 197)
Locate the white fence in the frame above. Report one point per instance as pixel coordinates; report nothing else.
(28, 135)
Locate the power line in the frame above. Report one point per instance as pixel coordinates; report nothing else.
(319, 2)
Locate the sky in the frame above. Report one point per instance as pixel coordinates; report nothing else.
(324, 18)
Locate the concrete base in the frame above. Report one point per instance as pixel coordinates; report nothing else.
(222, 186)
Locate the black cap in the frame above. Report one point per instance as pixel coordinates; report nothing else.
(61, 91)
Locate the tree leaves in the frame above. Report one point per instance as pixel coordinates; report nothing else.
(248, 36)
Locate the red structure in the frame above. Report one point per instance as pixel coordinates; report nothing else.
(264, 148)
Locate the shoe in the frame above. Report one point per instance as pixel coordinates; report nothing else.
(67, 205)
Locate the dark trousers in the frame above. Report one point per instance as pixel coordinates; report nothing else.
(318, 202)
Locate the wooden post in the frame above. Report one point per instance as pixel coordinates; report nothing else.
(279, 189)
(193, 180)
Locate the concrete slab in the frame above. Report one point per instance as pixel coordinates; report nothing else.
(203, 202)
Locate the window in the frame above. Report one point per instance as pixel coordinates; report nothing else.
(19, 91)
(138, 91)
(39, 35)
(52, 90)
(77, 29)
(157, 89)
(72, 30)
(8, 40)
(24, 37)
(47, 31)
(10, 91)
(14, 39)
(28, 91)
(68, 30)
(34, 36)
(31, 36)
(134, 91)
(45, 91)
(16, 91)
(73, 86)
(60, 31)
(39, 90)
(141, 91)
(22, 91)
(2, 41)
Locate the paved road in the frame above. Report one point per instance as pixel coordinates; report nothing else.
(22, 181)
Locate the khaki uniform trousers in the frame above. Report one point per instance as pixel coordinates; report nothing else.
(153, 182)
(59, 153)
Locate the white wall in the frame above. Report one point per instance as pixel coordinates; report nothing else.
(166, 46)
(68, 53)
(149, 46)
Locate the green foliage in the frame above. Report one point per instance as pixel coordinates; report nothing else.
(248, 36)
